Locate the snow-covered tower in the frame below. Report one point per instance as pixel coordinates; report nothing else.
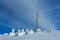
(12, 33)
(22, 33)
(31, 32)
(27, 31)
(37, 26)
(19, 32)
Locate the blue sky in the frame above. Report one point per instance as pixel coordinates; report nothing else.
(21, 14)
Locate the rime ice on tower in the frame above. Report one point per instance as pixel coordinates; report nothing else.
(19, 33)
(27, 31)
(12, 33)
(22, 32)
(31, 32)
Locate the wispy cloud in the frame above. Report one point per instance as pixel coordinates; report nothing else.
(24, 12)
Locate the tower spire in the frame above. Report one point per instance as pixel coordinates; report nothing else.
(37, 25)
(37, 20)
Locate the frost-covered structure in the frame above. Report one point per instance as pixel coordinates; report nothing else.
(12, 33)
(22, 33)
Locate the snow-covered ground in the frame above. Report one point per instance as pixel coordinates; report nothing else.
(41, 36)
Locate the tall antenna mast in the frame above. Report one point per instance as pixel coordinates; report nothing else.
(37, 25)
(37, 20)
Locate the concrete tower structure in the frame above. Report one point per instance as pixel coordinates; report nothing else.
(37, 24)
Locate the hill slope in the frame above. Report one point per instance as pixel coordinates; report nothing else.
(41, 36)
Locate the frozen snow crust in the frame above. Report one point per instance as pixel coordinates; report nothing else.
(37, 36)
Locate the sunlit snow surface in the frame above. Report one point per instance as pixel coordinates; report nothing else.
(41, 36)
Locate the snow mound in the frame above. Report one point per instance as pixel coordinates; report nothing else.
(41, 36)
